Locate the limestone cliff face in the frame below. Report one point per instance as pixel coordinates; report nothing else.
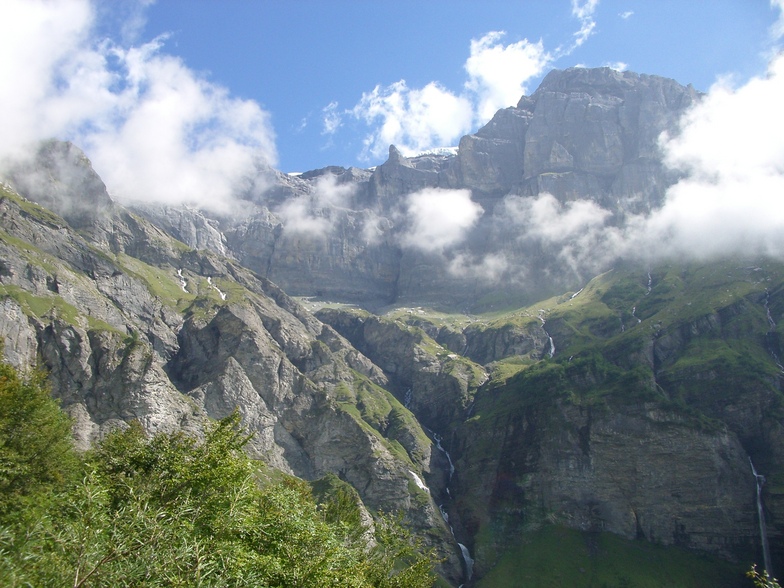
(584, 134)
(636, 471)
(631, 406)
(133, 325)
(436, 384)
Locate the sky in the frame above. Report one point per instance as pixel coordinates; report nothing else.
(181, 100)
(335, 82)
(342, 79)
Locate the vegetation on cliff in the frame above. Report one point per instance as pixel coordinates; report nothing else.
(172, 510)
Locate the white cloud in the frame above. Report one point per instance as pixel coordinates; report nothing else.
(489, 268)
(545, 217)
(332, 118)
(576, 231)
(154, 129)
(616, 65)
(626, 15)
(417, 120)
(731, 148)
(38, 39)
(316, 213)
(412, 119)
(583, 10)
(777, 30)
(438, 219)
(498, 73)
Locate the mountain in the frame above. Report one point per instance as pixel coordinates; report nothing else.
(346, 234)
(509, 399)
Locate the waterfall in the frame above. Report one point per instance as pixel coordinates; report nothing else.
(220, 292)
(770, 335)
(551, 351)
(437, 439)
(634, 314)
(771, 322)
(183, 283)
(469, 561)
(650, 284)
(418, 481)
(408, 398)
(760, 480)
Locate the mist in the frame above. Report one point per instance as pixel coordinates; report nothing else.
(155, 130)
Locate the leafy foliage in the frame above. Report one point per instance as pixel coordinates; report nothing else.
(762, 580)
(35, 439)
(172, 510)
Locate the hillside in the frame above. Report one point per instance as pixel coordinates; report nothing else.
(512, 392)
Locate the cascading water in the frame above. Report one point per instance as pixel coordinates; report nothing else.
(467, 559)
(220, 292)
(771, 334)
(551, 351)
(183, 282)
(759, 479)
(771, 322)
(650, 284)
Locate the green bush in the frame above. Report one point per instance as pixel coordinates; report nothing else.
(172, 510)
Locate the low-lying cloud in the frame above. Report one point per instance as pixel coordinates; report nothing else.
(437, 219)
(315, 214)
(729, 201)
(155, 130)
(731, 148)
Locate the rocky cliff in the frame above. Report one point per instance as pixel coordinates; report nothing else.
(590, 134)
(134, 325)
(633, 406)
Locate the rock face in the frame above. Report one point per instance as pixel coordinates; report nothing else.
(585, 134)
(631, 406)
(436, 384)
(606, 470)
(133, 325)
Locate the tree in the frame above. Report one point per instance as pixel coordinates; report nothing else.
(36, 448)
(173, 510)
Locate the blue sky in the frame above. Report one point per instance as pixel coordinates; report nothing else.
(295, 58)
(182, 99)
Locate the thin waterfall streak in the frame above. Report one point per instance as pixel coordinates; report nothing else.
(759, 480)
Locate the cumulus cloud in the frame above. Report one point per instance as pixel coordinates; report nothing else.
(490, 268)
(154, 129)
(731, 150)
(316, 213)
(412, 119)
(437, 219)
(577, 231)
(420, 119)
(498, 73)
(616, 65)
(729, 201)
(626, 15)
(777, 30)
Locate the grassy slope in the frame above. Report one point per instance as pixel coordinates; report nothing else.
(555, 556)
(716, 314)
